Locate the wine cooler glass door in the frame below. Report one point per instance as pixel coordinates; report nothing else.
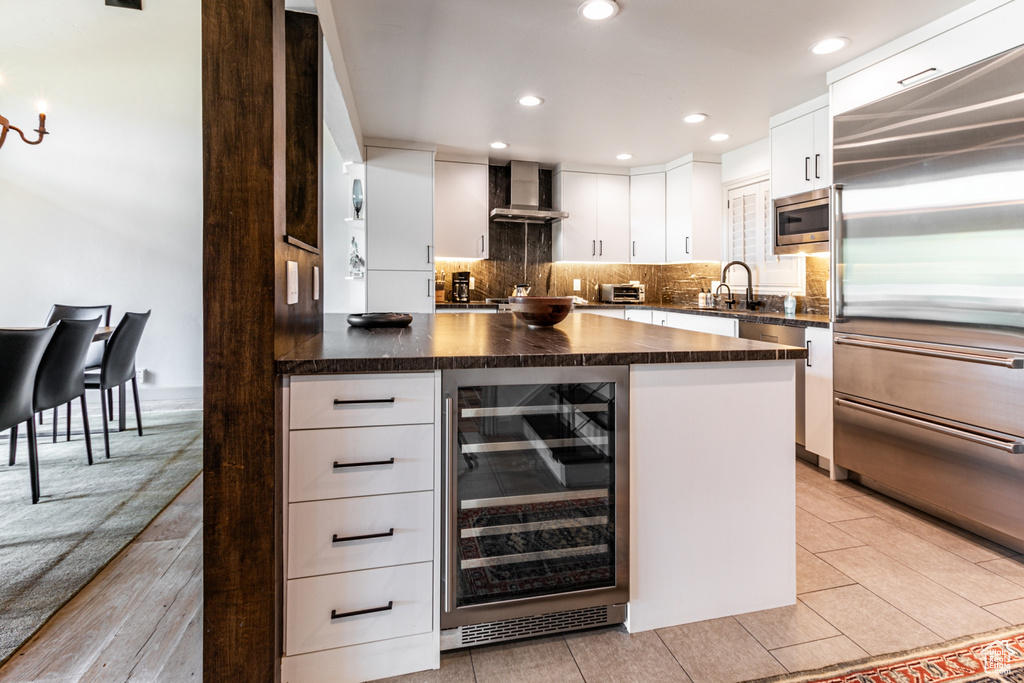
(534, 490)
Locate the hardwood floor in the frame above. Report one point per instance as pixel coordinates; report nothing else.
(139, 620)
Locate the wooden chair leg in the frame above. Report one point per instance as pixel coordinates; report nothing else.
(54, 425)
(138, 406)
(14, 444)
(33, 461)
(68, 431)
(106, 427)
(85, 426)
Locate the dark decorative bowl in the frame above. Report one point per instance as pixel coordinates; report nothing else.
(541, 311)
(369, 320)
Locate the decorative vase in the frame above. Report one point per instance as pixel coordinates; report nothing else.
(357, 196)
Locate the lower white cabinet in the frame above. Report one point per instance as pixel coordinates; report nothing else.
(640, 315)
(401, 291)
(728, 327)
(362, 597)
(818, 393)
(619, 313)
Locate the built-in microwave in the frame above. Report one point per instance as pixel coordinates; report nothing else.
(802, 222)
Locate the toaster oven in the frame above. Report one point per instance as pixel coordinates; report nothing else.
(622, 294)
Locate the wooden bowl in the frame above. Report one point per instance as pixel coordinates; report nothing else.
(541, 311)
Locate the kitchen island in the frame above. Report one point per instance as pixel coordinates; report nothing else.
(710, 477)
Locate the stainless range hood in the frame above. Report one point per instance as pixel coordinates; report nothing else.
(525, 197)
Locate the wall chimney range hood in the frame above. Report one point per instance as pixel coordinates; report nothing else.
(525, 197)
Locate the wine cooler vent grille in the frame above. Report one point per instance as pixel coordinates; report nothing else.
(525, 627)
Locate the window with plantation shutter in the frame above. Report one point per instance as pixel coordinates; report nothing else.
(749, 211)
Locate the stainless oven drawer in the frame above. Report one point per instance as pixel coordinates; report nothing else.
(974, 386)
(969, 476)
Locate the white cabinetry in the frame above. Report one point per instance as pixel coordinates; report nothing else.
(619, 313)
(693, 209)
(728, 327)
(597, 228)
(950, 43)
(460, 210)
(362, 516)
(647, 218)
(399, 230)
(818, 393)
(640, 315)
(801, 149)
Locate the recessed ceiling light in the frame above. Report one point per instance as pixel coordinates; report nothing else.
(695, 118)
(623, 157)
(499, 145)
(530, 100)
(718, 137)
(597, 10)
(829, 45)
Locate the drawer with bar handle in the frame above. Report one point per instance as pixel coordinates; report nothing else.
(358, 607)
(359, 533)
(324, 401)
(361, 461)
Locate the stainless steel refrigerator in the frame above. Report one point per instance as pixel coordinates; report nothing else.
(928, 284)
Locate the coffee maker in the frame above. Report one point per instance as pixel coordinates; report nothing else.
(460, 287)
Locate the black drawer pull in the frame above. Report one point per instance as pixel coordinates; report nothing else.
(340, 465)
(342, 539)
(342, 615)
(352, 402)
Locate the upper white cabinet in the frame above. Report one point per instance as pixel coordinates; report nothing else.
(597, 228)
(958, 39)
(693, 209)
(399, 209)
(460, 210)
(801, 149)
(647, 218)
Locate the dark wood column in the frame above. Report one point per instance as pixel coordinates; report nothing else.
(246, 325)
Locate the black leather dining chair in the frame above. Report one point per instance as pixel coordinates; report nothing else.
(118, 367)
(61, 375)
(20, 353)
(95, 354)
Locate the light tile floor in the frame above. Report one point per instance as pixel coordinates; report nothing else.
(873, 577)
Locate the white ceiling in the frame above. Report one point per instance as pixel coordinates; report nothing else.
(448, 72)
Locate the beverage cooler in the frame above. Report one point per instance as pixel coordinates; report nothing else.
(536, 512)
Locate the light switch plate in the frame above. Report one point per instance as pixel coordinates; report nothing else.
(316, 283)
(292, 282)
(576, 285)
(472, 282)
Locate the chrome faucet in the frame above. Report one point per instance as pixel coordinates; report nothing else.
(751, 304)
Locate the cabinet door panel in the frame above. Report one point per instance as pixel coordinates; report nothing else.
(613, 218)
(818, 392)
(679, 213)
(399, 209)
(704, 323)
(403, 291)
(577, 234)
(792, 155)
(647, 218)
(821, 164)
(639, 315)
(460, 210)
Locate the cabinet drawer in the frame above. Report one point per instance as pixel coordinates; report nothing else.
(314, 454)
(361, 400)
(308, 622)
(313, 528)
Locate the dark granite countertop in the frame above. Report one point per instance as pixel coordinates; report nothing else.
(468, 340)
(770, 318)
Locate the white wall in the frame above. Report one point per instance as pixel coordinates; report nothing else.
(751, 160)
(108, 209)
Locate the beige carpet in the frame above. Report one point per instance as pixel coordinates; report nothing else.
(85, 515)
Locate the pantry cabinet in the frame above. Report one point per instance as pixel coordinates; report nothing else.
(818, 392)
(597, 229)
(801, 149)
(460, 210)
(693, 209)
(647, 218)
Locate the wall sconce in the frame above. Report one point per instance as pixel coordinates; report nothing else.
(5, 125)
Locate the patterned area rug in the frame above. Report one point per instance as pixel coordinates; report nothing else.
(85, 515)
(996, 657)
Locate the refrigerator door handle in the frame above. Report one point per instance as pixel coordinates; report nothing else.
(1009, 362)
(1015, 447)
(449, 503)
(835, 228)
